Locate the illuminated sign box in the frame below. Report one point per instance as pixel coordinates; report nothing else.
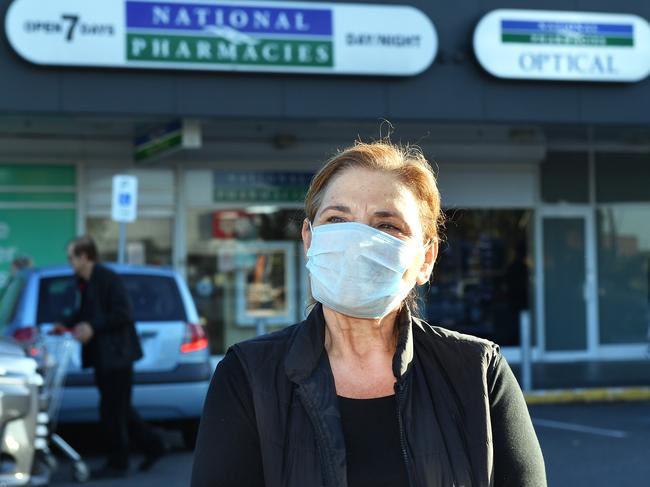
(570, 46)
(209, 35)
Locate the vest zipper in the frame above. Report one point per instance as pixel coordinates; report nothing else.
(399, 394)
(327, 467)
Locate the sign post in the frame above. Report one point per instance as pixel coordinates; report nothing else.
(124, 207)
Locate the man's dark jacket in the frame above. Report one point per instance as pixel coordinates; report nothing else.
(443, 393)
(105, 304)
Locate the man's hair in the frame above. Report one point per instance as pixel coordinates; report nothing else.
(84, 245)
(21, 262)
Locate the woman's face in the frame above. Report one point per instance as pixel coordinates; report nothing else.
(379, 200)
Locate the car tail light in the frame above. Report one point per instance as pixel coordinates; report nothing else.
(195, 338)
(29, 338)
(26, 335)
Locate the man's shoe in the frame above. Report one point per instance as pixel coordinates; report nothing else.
(109, 472)
(151, 459)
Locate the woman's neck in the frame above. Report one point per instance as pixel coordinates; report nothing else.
(361, 354)
(358, 339)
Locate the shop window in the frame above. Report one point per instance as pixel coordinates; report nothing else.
(245, 269)
(624, 272)
(482, 280)
(149, 240)
(565, 177)
(622, 177)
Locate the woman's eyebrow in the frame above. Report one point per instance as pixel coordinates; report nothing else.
(388, 214)
(341, 208)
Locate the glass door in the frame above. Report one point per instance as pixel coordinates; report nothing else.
(567, 294)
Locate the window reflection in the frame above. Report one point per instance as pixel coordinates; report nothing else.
(149, 240)
(237, 269)
(482, 278)
(624, 272)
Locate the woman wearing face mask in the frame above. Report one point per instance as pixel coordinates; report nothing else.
(362, 393)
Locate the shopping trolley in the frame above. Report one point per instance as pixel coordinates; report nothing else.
(60, 347)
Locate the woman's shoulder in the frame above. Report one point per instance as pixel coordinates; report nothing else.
(442, 338)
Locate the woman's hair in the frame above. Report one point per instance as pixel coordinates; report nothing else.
(406, 163)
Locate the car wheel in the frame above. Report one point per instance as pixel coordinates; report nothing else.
(190, 430)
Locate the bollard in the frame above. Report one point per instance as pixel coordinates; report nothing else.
(260, 324)
(526, 352)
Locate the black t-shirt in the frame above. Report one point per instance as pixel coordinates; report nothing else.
(372, 442)
(228, 451)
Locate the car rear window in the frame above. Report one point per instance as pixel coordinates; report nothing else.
(154, 298)
(57, 298)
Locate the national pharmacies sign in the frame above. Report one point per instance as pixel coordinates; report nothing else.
(215, 35)
(572, 46)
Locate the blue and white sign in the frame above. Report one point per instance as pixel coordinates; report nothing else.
(125, 199)
(224, 35)
(570, 46)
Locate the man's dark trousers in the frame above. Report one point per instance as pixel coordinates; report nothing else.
(119, 420)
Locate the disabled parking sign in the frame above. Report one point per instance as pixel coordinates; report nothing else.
(125, 198)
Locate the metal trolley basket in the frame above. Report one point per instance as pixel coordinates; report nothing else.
(60, 347)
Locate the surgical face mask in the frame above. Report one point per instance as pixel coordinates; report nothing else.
(357, 270)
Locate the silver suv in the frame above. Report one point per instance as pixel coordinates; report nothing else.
(170, 381)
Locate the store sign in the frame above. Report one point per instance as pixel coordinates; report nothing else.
(572, 46)
(260, 187)
(167, 139)
(214, 35)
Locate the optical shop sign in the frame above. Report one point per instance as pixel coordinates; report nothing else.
(224, 36)
(573, 46)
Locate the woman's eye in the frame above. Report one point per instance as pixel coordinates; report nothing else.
(389, 228)
(335, 219)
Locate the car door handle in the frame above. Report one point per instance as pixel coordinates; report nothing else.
(145, 335)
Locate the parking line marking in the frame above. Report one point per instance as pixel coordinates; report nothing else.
(549, 423)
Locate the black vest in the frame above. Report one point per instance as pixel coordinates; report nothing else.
(442, 392)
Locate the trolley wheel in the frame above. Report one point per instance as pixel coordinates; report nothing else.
(80, 472)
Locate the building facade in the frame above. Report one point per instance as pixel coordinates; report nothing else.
(543, 163)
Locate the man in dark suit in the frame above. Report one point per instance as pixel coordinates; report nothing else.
(103, 323)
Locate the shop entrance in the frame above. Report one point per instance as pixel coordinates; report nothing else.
(567, 294)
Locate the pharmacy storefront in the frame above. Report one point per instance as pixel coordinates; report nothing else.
(536, 122)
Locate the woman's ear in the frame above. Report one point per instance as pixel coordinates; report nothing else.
(430, 256)
(306, 235)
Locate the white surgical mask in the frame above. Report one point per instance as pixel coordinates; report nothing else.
(357, 270)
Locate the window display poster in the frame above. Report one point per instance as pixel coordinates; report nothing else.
(265, 283)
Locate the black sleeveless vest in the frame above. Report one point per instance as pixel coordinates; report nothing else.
(442, 392)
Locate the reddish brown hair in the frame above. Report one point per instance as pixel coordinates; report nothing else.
(407, 163)
(410, 168)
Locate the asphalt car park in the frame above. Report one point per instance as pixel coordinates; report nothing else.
(598, 445)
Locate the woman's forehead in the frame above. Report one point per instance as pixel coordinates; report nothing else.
(357, 187)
